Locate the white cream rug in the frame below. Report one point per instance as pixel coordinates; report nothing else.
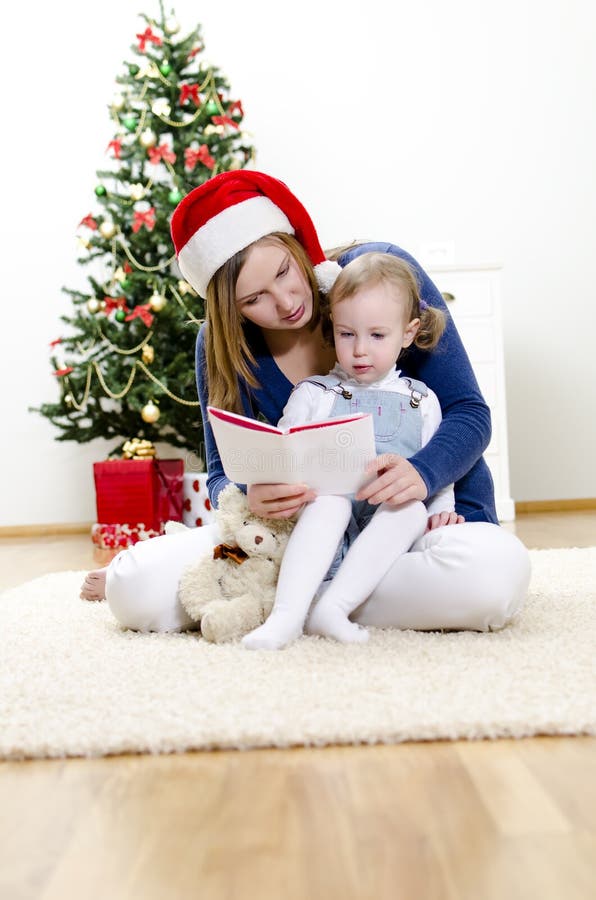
(73, 683)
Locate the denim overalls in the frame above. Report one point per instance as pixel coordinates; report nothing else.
(397, 425)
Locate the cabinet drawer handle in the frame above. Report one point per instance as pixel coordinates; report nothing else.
(447, 297)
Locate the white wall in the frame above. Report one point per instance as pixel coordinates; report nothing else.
(467, 121)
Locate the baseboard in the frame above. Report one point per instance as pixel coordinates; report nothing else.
(25, 531)
(521, 507)
(538, 506)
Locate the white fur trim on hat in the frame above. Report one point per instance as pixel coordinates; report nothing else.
(225, 234)
(326, 273)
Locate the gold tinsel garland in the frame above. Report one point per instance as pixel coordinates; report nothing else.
(117, 395)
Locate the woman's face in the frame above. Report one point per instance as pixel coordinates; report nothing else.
(271, 290)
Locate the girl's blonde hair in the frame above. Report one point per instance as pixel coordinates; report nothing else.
(370, 269)
(227, 353)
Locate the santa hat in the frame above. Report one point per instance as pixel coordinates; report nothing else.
(232, 210)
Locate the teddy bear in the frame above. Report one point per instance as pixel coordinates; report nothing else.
(231, 589)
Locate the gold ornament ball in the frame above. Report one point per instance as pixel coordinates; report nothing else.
(93, 305)
(185, 288)
(148, 138)
(171, 26)
(107, 230)
(150, 413)
(148, 354)
(157, 302)
(137, 191)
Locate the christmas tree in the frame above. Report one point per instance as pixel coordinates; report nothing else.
(125, 365)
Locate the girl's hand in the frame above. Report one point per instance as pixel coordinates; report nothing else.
(444, 518)
(397, 482)
(278, 501)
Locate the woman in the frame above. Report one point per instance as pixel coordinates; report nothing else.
(246, 243)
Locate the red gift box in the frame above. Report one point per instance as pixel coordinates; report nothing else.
(147, 491)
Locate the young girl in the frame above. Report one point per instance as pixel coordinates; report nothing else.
(247, 244)
(376, 314)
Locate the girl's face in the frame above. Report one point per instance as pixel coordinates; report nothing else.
(272, 291)
(370, 330)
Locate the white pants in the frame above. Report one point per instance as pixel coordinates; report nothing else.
(469, 577)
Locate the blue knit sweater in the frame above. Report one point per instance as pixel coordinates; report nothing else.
(454, 453)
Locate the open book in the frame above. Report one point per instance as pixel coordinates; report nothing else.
(329, 456)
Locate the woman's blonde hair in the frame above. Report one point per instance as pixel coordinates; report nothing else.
(370, 269)
(227, 352)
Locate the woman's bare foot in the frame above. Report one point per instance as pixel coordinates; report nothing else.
(94, 585)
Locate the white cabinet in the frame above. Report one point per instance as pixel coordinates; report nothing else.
(473, 298)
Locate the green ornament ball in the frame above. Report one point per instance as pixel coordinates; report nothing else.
(125, 284)
(133, 69)
(130, 123)
(175, 197)
(165, 69)
(100, 190)
(211, 108)
(120, 315)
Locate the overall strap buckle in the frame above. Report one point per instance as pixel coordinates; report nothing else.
(336, 388)
(418, 392)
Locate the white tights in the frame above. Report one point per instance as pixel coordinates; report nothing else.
(309, 554)
(468, 577)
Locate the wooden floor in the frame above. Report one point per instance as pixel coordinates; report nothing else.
(501, 820)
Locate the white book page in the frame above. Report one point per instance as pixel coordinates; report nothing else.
(330, 459)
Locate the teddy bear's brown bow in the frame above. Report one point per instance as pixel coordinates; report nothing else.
(230, 551)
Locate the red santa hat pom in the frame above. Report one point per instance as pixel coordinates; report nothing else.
(231, 211)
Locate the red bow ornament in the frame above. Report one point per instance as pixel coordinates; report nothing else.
(236, 106)
(202, 155)
(189, 92)
(224, 120)
(112, 303)
(143, 313)
(146, 218)
(148, 35)
(163, 152)
(89, 222)
(116, 146)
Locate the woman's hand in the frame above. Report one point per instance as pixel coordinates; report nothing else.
(397, 482)
(444, 518)
(278, 501)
